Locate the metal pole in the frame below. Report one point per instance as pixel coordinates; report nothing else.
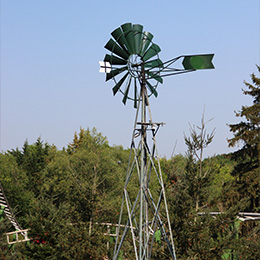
(143, 119)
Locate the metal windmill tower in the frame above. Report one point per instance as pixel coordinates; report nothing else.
(136, 69)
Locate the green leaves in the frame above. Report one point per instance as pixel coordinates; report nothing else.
(83, 184)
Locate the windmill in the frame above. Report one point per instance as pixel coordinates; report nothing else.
(136, 69)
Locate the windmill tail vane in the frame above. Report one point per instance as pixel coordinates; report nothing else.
(136, 70)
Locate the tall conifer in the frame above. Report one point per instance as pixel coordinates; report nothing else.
(247, 132)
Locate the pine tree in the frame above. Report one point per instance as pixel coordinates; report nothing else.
(195, 172)
(247, 132)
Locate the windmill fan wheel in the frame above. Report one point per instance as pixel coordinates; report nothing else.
(134, 60)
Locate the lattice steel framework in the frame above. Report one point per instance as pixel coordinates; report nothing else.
(136, 69)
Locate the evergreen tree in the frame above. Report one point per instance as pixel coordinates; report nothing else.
(196, 236)
(32, 159)
(196, 173)
(247, 132)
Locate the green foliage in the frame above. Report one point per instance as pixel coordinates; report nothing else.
(15, 183)
(196, 174)
(247, 131)
(247, 247)
(60, 192)
(32, 160)
(196, 190)
(221, 167)
(65, 196)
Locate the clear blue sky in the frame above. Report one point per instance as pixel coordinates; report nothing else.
(50, 80)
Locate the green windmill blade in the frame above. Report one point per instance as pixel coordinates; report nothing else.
(153, 50)
(115, 72)
(126, 91)
(129, 36)
(113, 60)
(157, 63)
(146, 41)
(119, 84)
(138, 29)
(114, 48)
(120, 38)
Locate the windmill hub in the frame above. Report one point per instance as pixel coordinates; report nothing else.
(134, 65)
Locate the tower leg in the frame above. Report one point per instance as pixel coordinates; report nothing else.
(144, 197)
